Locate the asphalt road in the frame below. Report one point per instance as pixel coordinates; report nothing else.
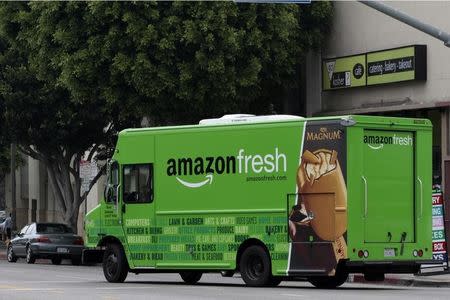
(46, 281)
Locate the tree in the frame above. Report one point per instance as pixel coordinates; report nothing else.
(74, 73)
(48, 122)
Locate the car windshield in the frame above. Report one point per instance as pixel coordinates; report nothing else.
(53, 228)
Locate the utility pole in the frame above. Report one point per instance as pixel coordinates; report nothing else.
(409, 20)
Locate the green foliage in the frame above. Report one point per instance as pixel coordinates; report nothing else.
(74, 73)
(176, 62)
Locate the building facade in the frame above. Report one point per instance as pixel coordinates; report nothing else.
(371, 65)
(357, 31)
(35, 201)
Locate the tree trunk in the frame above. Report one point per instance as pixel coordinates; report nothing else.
(66, 185)
(71, 219)
(64, 174)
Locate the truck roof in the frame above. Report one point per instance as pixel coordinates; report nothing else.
(247, 119)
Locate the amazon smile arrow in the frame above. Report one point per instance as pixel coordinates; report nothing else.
(209, 178)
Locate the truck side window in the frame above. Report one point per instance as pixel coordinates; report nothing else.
(138, 183)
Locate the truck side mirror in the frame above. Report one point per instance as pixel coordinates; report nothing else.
(109, 194)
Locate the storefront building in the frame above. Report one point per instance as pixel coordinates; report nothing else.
(374, 64)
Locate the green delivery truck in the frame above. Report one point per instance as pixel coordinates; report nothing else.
(272, 197)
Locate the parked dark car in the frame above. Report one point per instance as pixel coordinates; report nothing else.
(46, 240)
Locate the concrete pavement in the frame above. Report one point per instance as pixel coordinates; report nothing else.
(441, 279)
(436, 279)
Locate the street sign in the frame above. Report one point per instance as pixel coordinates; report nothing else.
(438, 233)
(88, 171)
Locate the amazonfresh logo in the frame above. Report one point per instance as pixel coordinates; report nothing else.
(378, 141)
(242, 163)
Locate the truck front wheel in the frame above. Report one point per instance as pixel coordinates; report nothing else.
(191, 277)
(115, 265)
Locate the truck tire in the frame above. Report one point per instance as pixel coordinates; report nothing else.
(115, 264)
(191, 277)
(12, 258)
(255, 266)
(329, 282)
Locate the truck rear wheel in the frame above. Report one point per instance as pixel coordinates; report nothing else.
(255, 266)
(329, 282)
(115, 265)
(191, 277)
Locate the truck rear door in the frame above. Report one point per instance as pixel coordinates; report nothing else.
(389, 181)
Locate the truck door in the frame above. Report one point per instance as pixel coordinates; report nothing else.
(138, 212)
(388, 185)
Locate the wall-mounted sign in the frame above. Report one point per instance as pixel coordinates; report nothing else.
(344, 72)
(380, 67)
(438, 233)
(402, 64)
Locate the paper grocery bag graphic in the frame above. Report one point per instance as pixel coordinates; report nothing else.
(322, 186)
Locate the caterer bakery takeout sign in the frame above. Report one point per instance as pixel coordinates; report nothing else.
(407, 63)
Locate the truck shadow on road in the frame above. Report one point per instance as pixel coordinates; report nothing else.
(282, 286)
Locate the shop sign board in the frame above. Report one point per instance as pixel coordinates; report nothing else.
(396, 65)
(344, 72)
(438, 233)
(374, 68)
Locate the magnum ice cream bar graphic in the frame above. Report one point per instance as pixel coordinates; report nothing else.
(322, 186)
(318, 220)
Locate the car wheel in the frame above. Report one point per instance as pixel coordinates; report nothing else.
(191, 277)
(115, 264)
(56, 260)
(10, 255)
(76, 261)
(255, 266)
(30, 258)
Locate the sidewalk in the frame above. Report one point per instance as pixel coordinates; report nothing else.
(438, 279)
(441, 279)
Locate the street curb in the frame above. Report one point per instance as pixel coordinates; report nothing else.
(412, 282)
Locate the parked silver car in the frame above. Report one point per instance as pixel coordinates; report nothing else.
(46, 240)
